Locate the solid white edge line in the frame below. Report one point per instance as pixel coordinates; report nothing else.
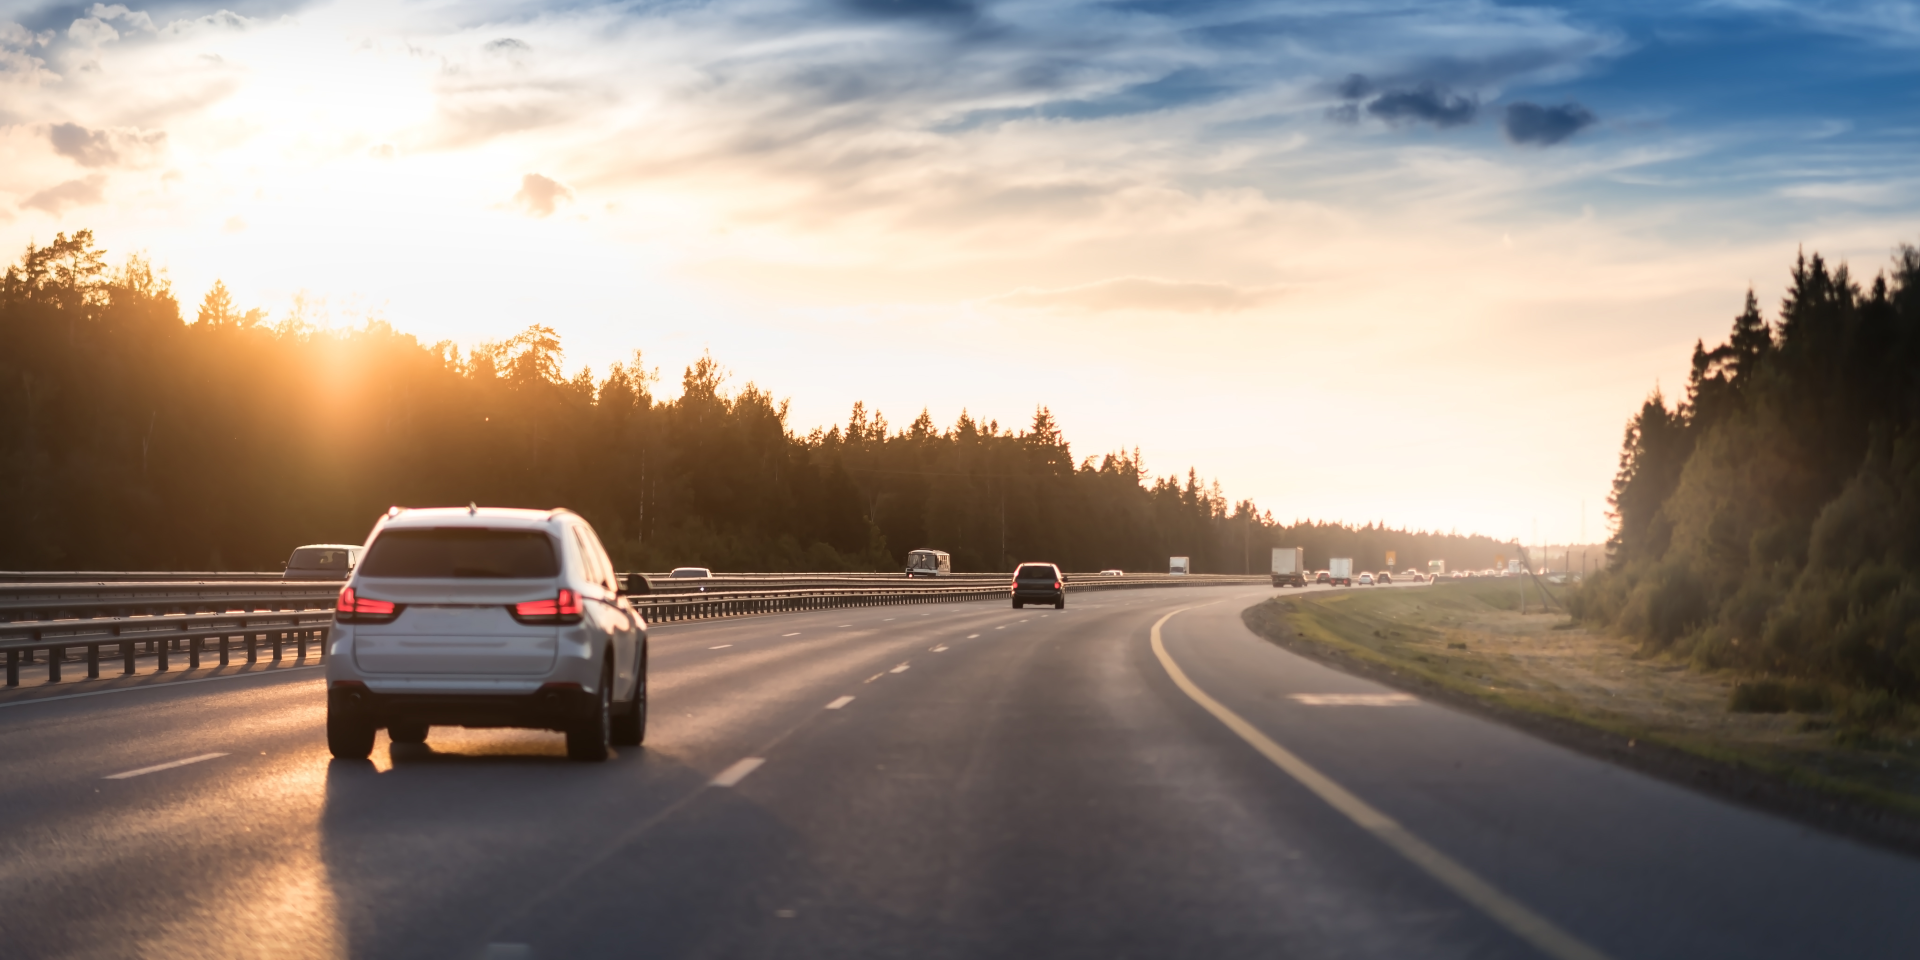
(840, 702)
(738, 772)
(1537, 930)
(158, 685)
(156, 768)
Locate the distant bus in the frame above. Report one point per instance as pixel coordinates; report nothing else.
(929, 563)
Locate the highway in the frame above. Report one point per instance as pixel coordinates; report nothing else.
(952, 781)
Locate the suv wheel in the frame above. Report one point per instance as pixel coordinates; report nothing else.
(348, 738)
(1060, 604)
(407, 732)
(1017, 605)
(589, 737)
(630, 724)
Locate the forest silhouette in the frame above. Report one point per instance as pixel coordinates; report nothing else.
(1770, 521)
(135, 439)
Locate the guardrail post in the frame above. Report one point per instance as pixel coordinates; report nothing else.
(253, 647)
(54, 656)
(163, 647)
(323, 635)
(279, 637)
(128, 649)
(223, 649)
(300, 646)
(93, 661)
(193, 653)
(13, 668)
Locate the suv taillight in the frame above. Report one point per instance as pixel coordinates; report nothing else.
(563, 608)
(353, 608)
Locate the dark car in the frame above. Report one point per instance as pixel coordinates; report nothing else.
(1039, 583)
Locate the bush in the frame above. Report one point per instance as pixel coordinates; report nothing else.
(1770, 695)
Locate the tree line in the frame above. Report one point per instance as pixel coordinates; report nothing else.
(135, 438)
(1770, 520)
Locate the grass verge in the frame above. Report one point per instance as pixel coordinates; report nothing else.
(1466, 643)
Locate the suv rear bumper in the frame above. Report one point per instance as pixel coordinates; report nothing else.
(555, 706)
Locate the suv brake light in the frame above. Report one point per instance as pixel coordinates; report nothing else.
(353, 608)
(563, 608)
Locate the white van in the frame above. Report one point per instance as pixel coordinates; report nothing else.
(929, 563)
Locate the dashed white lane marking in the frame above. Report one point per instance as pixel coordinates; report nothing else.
(1026, 621)
(793, 634)
(1355, 699)
(885, 619)
(899, 669)
(973, 636)
(875, 677)
(721, 647)
(840, 702)
(738, 772)
(156, 768)
(939, 649)
(844, 625)
(1003, 627)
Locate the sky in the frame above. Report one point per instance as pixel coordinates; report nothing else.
(1413, 263)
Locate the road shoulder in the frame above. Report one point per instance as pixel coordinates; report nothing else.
(1730, 777)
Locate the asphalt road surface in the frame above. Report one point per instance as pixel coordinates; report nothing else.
(919, 781)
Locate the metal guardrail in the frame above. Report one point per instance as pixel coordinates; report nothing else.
(164, 615)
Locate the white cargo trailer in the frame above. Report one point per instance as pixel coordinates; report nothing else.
(1340, 572)
(1289, 566)
(1177, 566)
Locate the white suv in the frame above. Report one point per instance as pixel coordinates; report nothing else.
(489, 617)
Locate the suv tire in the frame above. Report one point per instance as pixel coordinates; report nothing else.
(589, 737)
(1017, 605)
(348, 738)
(407, 732)
(630, 724)
(1060, 604)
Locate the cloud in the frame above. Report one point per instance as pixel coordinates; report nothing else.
(1532, 123)
(539, 195)
(507, 46)
(1425, 103)
(133, 19)
(89, 148)
(103, 148)
(91, 32)
(73, 193)
(1142, 294)
(915, 9)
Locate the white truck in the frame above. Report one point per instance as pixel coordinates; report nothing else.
(1340, 572)
(1289, 566)
(1177, 566)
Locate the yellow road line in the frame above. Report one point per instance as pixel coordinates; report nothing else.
(1506, 911)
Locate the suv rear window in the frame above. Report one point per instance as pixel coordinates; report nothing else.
(461, 552)
(1034, 572)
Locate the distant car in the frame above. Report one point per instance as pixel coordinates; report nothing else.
(322, 561)
(1039, 583)
(690, 573)
(1322, 577)
(1366, 579)
(485, 617)
(1113, 573)
(1384, 577)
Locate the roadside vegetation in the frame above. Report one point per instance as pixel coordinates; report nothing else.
(1768, 525)
(1467, 642)
(135, 437)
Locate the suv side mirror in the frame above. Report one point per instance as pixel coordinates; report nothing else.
(635, 584)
